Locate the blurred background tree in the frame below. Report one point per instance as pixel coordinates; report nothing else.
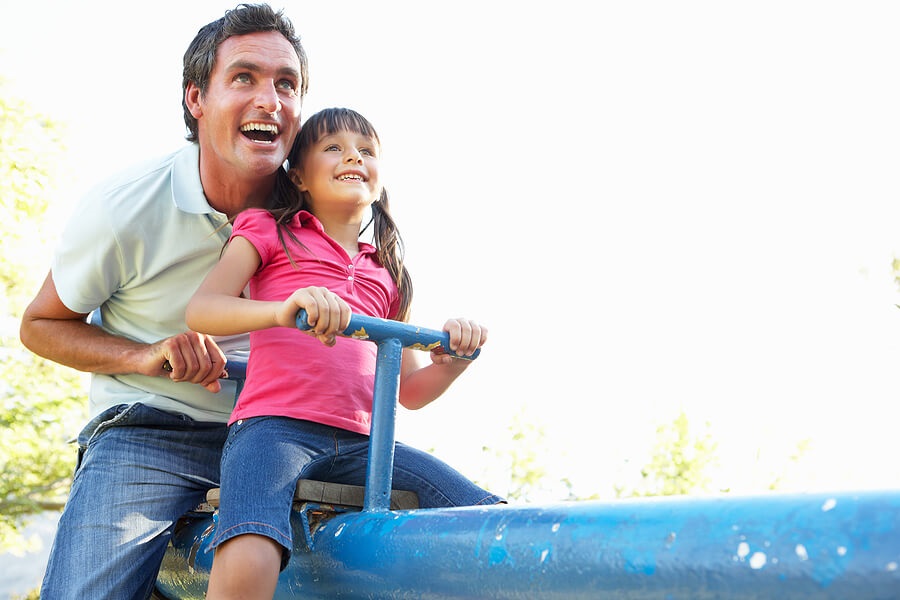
(42, 403)
(680, 461)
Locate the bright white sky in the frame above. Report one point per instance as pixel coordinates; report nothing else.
(655, 207)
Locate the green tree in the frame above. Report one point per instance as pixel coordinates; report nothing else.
(679, 462)
(527, 469)
(42, 402)
(525, 465)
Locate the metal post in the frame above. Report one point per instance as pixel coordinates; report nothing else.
(379, 471)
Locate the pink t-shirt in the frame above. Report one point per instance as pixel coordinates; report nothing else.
(291, 373)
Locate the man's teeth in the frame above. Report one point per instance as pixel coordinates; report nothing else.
(273, 129)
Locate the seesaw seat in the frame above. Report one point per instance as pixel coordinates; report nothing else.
(323, 492)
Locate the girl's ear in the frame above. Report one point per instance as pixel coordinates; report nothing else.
(294, 174)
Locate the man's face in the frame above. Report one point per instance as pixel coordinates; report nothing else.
(250, 113)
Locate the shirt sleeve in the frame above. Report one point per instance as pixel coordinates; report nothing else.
(258, 227)
(88, 265)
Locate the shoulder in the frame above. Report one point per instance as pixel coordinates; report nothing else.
(254, 221)
(131, 194)
(257, 226)
(137, 176)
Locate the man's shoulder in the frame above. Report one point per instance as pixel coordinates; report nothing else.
(141, 175)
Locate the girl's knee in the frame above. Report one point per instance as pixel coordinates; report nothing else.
(246, 566)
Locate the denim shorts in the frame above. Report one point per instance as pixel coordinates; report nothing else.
(264, 457)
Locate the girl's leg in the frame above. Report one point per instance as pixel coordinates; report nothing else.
(436, 483)
(261, 463)
(245, 567)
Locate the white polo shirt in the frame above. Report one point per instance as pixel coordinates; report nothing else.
(137, 247)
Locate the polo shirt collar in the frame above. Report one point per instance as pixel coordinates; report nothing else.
(187, 191)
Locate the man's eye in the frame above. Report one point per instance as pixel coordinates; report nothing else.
(287, 84)
(242, 77)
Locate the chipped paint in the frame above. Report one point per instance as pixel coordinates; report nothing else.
(360, 334)
(425, 347)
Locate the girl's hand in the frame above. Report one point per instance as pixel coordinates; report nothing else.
(465, 337)
(327, 313)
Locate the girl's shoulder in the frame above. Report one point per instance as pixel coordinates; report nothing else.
(253, 215)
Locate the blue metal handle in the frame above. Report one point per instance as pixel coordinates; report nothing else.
(376, 330)
(390, 337)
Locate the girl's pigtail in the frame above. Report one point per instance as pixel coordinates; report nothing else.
(391, 252)
(285, 202)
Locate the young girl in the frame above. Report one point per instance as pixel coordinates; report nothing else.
(307, 402)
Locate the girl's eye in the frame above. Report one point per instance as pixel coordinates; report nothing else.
(332, 148)
(367, 151)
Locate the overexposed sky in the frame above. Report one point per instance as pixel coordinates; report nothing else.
(654, 206)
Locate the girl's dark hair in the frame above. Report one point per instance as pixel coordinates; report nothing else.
(286, 200)
(200, 57)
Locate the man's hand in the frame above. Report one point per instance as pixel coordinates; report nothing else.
(187, 357)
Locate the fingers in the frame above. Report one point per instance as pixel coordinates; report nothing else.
(192, 357)
(327, 313)
(466, 336)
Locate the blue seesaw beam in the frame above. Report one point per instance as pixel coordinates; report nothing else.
(775, 546)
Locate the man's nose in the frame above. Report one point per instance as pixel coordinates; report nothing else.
(267, 99)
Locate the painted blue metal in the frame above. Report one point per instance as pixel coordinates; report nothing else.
(374, 329)
(380, 466)
(391, 337)
(773, 546)
(815, 546)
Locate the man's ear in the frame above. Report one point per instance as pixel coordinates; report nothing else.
(192, 100)
(294, 174)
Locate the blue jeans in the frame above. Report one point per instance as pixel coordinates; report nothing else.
(139, 469)
(265, 456)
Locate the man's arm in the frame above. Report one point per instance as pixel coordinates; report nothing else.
(51, 330)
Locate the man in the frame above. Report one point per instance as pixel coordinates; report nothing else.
(137, 247)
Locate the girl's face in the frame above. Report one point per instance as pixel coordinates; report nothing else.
(341, 167)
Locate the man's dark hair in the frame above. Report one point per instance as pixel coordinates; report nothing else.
(200, 57)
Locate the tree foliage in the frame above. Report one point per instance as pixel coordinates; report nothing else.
(42, 402)
(527, 469)
(679, 463)
(525, 473)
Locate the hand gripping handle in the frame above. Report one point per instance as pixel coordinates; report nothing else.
(375, 329)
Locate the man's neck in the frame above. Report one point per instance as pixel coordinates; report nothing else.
(230, 194)
(233, 197)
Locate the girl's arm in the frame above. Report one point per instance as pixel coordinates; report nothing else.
(217, 307)
(420, 384)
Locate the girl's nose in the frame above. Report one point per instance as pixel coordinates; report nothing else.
(353, 156)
